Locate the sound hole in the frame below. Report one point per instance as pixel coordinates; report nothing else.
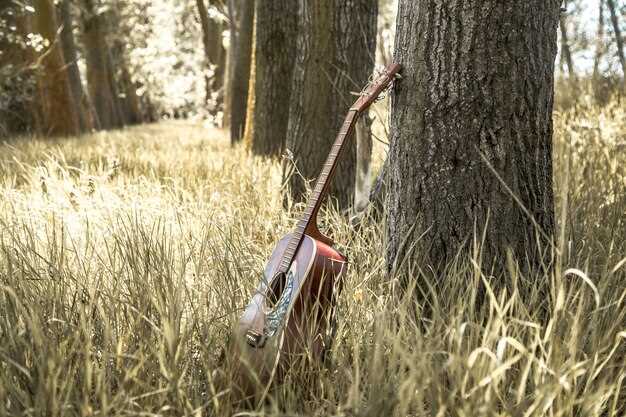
(276, 288)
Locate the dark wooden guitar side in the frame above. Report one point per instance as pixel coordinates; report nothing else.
(288, 320)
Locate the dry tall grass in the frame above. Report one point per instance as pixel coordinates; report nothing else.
(125, 257)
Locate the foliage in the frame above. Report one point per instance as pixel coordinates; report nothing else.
(125, 258)
(17, 83)
(165, 46)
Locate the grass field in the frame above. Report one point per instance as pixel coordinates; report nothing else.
(126, 256)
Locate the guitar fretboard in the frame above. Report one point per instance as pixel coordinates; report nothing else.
(320, 190)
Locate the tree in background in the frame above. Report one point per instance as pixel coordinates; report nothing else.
(274, 54)
(600, 48)
(471, 131)
(566, 53)
(98, 65)
(336, 46)
(58, 110)
(357, 27)
(242, 44)
(619, 41)
(127, 101)
(215, 55)
(87, 118)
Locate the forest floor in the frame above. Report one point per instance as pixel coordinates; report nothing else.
(126, 256)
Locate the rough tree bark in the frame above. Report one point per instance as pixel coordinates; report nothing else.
(215, 56)
(618, 35)
(85, 112)
(96, 54)
(336, 43)
(59, 111)
(274, 54)
(471, 126)
(241, 70)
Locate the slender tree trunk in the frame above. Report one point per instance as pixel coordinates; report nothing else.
(131, 99)
(618, 35)
(85, 112)
(59, 110)
(363, 161)
(230, 60)
(565, 49)
(250, 122)
(241, 70)
(128, 102)
(599, 43)
(96, 54)
(111, 62)
(215, 57)
(336, 44)
(471, 130)
(274, 55)
(378, 193)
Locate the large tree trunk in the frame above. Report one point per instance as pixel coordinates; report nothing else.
(85, 112)
(241, 70)
(566, 52)
(618, 35)
(59, 110)
(274, 55)
(215, 56)
(471, 130)
(336, 47)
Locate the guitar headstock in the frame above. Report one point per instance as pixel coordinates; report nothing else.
(373, 89)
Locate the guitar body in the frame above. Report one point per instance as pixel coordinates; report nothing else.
(277, 332)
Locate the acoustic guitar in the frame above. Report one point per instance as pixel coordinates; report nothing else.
(289, 319)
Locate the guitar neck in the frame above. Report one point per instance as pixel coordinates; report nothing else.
(367, 97)
(328, 170)
(321, 188)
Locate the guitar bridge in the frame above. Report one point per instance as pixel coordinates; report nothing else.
(255, 339)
